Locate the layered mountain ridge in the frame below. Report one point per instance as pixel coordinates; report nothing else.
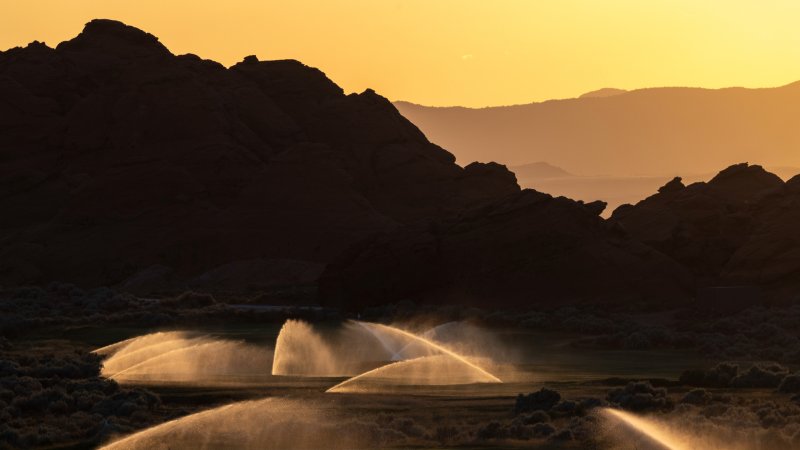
(644, 132)
(125, 165)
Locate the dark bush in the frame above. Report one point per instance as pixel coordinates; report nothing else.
(8, 368)
(640, 396)
(492, 430)
(761, 376)
(52, 400)
(697, 397)
(542, 400)
(543, 430)
(445, 434)
(717, 377)
(563, 435)
(565, 408)
(790, 384)
(589, 403)
(534, 417)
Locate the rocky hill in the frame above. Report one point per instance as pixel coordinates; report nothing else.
(125, 165)
(528, 249)
(739, 228)
(726, 243)
(121, 161)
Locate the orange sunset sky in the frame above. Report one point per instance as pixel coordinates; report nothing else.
(462, 52)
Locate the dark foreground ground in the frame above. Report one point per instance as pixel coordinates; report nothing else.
(725, 377)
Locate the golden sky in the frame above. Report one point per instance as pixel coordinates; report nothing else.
(462, 52)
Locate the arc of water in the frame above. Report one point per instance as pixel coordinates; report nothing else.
(428, 334)
(148, 339)
(193, 345)
(652, 430)
(121, 355)
(397, 365)
(131, 440)
(396, 354)
(115, 347)
(365, 374)
(138, 343)
(431, 345)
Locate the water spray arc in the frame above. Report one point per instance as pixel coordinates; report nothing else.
(355, 349)
(661, 436)
(184, 358)
(396, 354)
(430, 344)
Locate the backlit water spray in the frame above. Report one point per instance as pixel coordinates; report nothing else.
(393, 357)
(682, 432)
(429, 345)
(301, 350)
(436, 370)
(660, 436)
(183, 357)
(273, 423)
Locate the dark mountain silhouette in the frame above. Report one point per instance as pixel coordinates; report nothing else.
(731, 239)
(118, 156)
(770, 256)
(529, 249)
(653, 132)
(740, 228)
(700, 225)
(125, 164)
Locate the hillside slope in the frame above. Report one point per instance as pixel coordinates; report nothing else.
(117, 156)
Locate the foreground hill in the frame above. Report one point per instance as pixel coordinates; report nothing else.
(123, 164)
(655, 132)
(738, 229)
(530, 249)
(730, 242)
(126, 165)
(120, 158)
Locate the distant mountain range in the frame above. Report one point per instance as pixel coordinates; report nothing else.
(645, 132)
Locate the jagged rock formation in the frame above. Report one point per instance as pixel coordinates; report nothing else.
(740, 228)
(700, 225)
(118, 156)
(770, 256)
(528, 249)
(123, 164)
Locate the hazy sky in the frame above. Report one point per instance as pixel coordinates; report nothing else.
(462, 52)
